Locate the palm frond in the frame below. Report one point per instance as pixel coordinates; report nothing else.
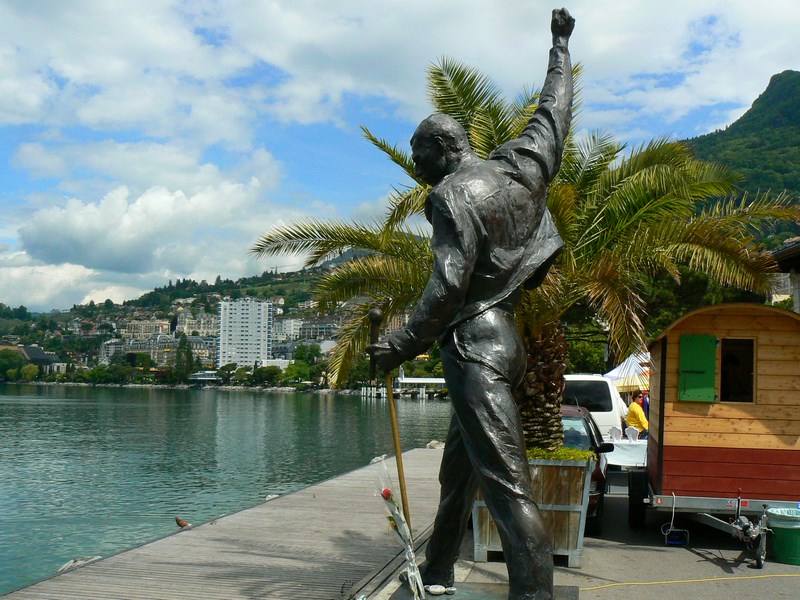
(377, 277)
(320, 240)
(404, 205)
(354, 336)
(458, 90)
(757, 216)
(661, 182)
(730, 264)
(323, 240)
(492, 125)
(585, 161)
(393, 151)
(563, 204)
(612, 290)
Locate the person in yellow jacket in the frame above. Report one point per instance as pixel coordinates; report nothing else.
(636, 417)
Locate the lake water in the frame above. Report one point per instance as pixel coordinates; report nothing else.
(93, 471)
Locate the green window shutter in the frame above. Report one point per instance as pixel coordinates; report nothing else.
(697, 368)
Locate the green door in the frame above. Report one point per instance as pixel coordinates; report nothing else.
(697, 368)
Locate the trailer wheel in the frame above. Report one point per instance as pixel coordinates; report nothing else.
(637, 492)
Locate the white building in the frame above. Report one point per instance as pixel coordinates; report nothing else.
(204, 324)
(287, 329)
(108, 349)
(245, 332)
(141, 330)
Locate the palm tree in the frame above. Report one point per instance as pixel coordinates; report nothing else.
(623, 218)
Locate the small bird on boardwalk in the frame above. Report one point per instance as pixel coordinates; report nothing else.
(181, 523)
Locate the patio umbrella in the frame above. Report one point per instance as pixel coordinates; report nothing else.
(632, 373)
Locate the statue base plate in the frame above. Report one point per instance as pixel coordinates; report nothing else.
(485, 591)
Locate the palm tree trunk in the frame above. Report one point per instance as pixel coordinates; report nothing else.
(539, 399)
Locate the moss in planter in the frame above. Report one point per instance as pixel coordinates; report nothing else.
(561, 454)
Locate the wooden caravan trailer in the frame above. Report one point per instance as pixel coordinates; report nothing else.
(724, 413)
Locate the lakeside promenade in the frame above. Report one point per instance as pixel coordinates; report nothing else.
(325, 541)
(330, 541)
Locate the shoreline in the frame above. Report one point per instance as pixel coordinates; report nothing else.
(186, 386)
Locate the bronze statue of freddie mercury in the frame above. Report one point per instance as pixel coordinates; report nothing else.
(492, 234)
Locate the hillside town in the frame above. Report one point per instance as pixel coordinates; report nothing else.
(201, 339)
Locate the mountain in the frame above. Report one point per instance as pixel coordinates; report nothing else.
(764, 143)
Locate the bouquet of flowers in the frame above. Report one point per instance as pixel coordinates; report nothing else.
(398, 524)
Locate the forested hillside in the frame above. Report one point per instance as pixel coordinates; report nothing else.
(764, 144)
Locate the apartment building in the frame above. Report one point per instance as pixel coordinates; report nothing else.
(141, 330)
(161, 348)
(287, 329)
(245, 332)
(319, 328)
(204, 324)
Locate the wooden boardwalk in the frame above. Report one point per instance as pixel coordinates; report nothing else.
(324, 542)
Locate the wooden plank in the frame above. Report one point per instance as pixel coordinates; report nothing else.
(787, 338)
(764, 397)
(316, 542)
(702, 454)
(752, 324)
(557, 484)
(744, 325)
(742, 468)
(783, 368)
(652, 452)
(783, 352)
(734, 410)
(728, 487)
(730, 440)
(778, 383)
(715, 423)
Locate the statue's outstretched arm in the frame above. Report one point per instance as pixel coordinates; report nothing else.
(543, 138)
(555, 103)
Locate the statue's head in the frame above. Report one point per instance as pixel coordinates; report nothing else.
(437, 147)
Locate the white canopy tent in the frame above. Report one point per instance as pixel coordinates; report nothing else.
(632, 373)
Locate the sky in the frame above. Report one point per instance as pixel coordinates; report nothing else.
(143, 141)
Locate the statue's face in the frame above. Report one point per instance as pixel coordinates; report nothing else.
(430, 160)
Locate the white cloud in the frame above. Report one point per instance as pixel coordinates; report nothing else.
(43, 286)
(140, 165)
(159, 72)
(116, 293)
(132, 235)
(40, 161)
(105, 66)
(179, 132)
(125, 244)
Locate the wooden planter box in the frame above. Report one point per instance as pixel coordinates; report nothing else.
(561, 489)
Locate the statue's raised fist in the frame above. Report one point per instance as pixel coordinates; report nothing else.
(562, 23)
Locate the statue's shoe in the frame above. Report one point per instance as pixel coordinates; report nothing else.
(433, 577)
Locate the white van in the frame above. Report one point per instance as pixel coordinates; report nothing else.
(600, 397)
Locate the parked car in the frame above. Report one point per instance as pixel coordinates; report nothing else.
(600, 397)
(581, 432)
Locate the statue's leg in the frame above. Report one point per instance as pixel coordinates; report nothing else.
(458, 488)
(491, 433)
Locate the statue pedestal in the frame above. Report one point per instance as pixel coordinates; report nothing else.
(485, 591)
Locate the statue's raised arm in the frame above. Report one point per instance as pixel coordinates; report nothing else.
(543, 138)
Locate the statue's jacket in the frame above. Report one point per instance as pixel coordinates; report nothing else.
(492, 232)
